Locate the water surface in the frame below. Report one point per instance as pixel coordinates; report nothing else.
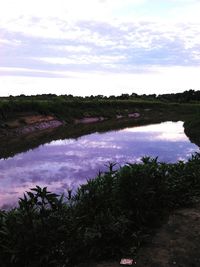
(68, 163)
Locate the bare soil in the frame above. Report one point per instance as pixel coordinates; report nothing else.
(28, 123)
(176, 243)
(28, 120)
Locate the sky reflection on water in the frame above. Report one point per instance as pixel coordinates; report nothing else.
(68, 163)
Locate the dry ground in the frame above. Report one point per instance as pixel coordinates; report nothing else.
(176, 243)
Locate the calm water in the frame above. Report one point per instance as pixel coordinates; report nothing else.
(66, 164)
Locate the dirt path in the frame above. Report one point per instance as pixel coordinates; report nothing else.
(177, 243)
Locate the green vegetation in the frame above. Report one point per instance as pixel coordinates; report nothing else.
(107, 217)
(68, 110)
(68, 107)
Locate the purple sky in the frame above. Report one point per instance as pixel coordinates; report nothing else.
(99, 46)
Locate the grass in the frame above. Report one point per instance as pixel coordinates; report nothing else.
(107, 217)
(66, 109)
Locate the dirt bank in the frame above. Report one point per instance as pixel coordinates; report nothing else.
(38, 127)
(89, 120)
(177, 243)
(28, 123)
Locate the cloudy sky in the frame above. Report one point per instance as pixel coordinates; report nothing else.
(85, 47)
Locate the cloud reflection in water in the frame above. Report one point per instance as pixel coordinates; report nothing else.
(68, 163)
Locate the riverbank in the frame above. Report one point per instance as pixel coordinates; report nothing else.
(12, 144)
(21, 116)
(28, 123)
(109, 217)
(113, 216)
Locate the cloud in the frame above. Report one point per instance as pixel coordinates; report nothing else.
(85, 41)
(96, 46)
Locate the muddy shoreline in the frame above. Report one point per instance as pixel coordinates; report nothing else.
(36, 123)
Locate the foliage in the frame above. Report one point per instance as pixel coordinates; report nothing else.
(68, 106)
(107, 216)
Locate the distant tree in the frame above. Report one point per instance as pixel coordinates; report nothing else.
(124, 96)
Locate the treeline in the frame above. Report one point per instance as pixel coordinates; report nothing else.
(64, 108)
(68, 107)
(184, 97)
(106, 218)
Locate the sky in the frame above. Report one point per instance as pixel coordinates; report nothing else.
(96, 47)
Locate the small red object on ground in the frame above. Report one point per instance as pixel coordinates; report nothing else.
(127, 262)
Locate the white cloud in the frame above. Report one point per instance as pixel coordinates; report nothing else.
(99, 44)
(169, 131)
(162, 80)
(73, 49)
(88, 59)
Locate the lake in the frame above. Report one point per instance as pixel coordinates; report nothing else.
(68, 163)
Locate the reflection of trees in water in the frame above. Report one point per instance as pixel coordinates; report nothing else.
(12, 146)
(192, 130)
